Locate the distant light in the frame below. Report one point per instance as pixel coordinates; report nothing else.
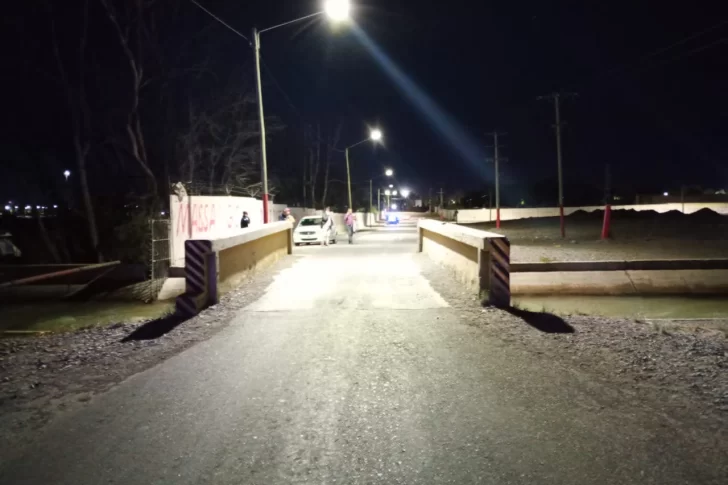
(55, 206)
(665, 194)
(389, 172)
(337, 10)
(67, 173)
(405, 193)
(394, 207)
(394, 192)
(388, 192)
(16, 207)
(376, 135)
(390, 186)
(27, 207)
(7, 208)
(37, 207)
(163, 213)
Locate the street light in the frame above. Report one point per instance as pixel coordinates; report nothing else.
(336, 10)
(394, 192)
(405, 193)
(389, 172)
(375, 135)
(391, 186)
(67, 173)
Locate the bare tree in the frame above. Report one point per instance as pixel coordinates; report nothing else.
(74, 90)
(130, 33)
(221, 150)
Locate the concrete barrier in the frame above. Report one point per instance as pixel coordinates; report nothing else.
(213, 267)
(479, 259)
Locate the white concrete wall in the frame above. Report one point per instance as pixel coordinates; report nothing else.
(208, 217)
(470, 216)
(216, 217)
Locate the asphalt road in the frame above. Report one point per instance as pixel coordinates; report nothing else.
(352, 369)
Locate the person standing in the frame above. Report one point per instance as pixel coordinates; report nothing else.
(327, 225)
(245, 221)
(349, 220)
(286, 216)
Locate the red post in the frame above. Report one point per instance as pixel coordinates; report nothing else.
(607, 221)
(265, 209)
(497, 218)
(563, 223)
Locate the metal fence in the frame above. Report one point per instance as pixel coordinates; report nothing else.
(160, 257)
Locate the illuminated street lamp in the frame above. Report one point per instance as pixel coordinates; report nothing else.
(336, 10)
(389, 172)
(67, 173)
(376, 136)
(405, 193)
(665, 194)
(394, 192)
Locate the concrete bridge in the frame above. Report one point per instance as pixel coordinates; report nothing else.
(353, 367)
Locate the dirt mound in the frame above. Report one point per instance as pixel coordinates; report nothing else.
(673, 215)
(707, 215)
(584, 215)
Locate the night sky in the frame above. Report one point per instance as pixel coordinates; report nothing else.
(657, 117)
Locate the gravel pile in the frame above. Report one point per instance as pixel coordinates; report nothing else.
(634, 235)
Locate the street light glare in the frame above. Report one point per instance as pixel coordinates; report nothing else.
(405, 193)
(389, 172)
(387, 192)
(337, 10)
(376, 135)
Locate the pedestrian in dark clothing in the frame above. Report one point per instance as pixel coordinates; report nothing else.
(245, 221)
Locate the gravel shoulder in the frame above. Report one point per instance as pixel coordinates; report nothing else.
(43, 376)
(680, 370)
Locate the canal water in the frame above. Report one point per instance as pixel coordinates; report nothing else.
(65, 316)
(654, 307)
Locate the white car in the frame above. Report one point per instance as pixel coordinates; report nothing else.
(309, 231)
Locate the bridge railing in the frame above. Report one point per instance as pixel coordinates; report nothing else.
(479, 259)
(214, 266)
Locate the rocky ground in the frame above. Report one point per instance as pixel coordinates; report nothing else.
(634, 235)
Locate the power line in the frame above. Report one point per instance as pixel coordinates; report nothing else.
(662, 50)
(221, 21)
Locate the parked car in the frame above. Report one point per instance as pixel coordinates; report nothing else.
(309, 231)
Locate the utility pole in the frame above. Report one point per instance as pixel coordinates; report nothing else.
(441, 199)
(496, 160)
(556, 98)
(429, 201)
(261, 117)
(369, 209)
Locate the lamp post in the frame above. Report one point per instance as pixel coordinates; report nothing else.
(388, 173)
(337, 10)
(375, 136)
